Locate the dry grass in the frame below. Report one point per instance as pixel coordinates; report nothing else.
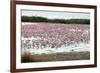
(27, 57)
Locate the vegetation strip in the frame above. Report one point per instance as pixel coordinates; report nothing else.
(47, 20)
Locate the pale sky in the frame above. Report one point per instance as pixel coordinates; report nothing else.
(56, 14)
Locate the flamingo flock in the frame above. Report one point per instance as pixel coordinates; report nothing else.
(51, 37)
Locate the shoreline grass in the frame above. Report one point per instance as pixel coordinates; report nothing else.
(64, 56)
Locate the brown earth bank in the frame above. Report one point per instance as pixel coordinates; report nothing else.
(65, 56)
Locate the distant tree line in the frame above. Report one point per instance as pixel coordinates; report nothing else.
(44, 19)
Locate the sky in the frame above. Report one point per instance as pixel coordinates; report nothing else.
(56, 14)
